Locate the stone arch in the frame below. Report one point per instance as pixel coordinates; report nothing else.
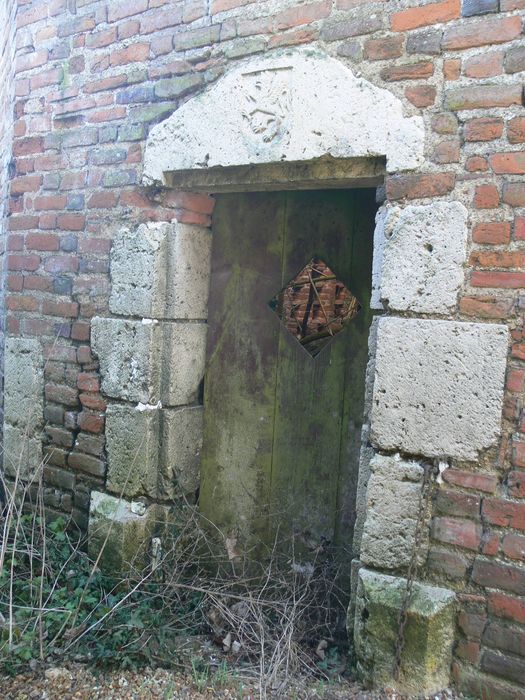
(292, 107)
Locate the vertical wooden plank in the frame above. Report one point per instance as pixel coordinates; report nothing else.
(312, 425)
(242, 356)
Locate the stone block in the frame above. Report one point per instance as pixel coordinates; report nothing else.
(120, 531)
(438, 387)
(132, 444)
(429, 634)
(184, 358)
(161, 270)
(423, 258)
(24, 384)
(129, 356)
(393, 497)
(22, 452)
(299, 105)
(138, 271)
(181, 447)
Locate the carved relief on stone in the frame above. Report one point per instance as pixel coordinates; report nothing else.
(267, 102)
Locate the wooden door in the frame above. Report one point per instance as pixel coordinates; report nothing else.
(282, 428)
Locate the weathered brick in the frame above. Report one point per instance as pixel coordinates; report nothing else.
(513, 546)
(514, 194)
(515, 59)
(486, 196)
(511, 668)
(458, 504)
(342, 29)
(483, 129)
(494, 233)
(452, 565)
(384, 48)
(425, 15)
(516, 484)
(483, 96)
(408, 71)
(516, 130)
(491, 30)
(470, 8)
(130, 54)
(493, 574)
(484, 65)
(303, 14)
(86, 463)
(426, 42)
(457, 531)
(421, 95)
(511, 162)
(499, 511)
(419, 186)
(117, 11)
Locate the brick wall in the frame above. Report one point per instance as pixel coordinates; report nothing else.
(7, 50)
(92, 76)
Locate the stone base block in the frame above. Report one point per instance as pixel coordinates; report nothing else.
(429, 634)
(122, 531)
(181, 447)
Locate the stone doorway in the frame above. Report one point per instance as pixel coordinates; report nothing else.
(284, 382)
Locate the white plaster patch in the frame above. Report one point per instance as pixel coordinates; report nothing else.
(295, 106)
(423, 256)
(438, 387)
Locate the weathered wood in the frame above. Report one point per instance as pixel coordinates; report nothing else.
(282, 429)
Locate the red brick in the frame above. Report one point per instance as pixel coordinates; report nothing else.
(447, 151)
(421, 95)
(489, 259)
(200, 203)
(65, 309)
(490, 30)
(456, 531)
(97, 40)
(42, 241)
(23, 262)
(94, 245)
(107, 115)
(475, 164)
(514, 546)
(61, 394)
(484, 65)
(471, 480)
(30, 60)
(128, 8)
(424, 15)
(53, 76)
(71, 222)
(492, 574)
(94, 402)
(38, 283)
(15, 283)
(91, 422)
(15, 242)
(503, 280)
(21, 303)
(32, 15)
(451, 68)
(46, 202)
(514, 194)
(61, 263)
(468, 650)
(457, 503)
(499, 511)
(483, 129)
(494, 233)
(486, 197)
(131, 54)
(302, 14)
(408, 71)
(28, 145)
(518, 453)
(419, 186)
(104, 84)
(102, 200)
(86, 463)
(446, 563)
(515, 380)
(516, 130)
(384, 48)
(516, 484)
(506, 606)
(80, 331)
(130, 28)
(29, 183)
(88, 382)
(511, 162)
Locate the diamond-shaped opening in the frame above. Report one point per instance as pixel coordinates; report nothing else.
(315, 306)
